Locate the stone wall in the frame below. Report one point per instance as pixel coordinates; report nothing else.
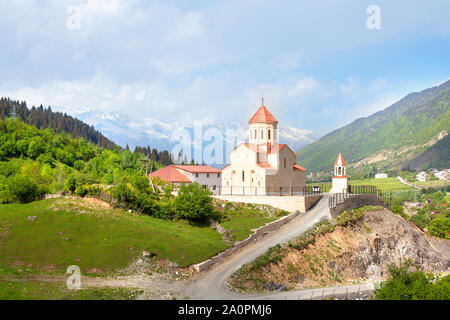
(205, 265)
(288, 203)
(357, 201)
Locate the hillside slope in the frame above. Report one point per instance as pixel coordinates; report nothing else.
(388, 138)
(42, 118)
(437, 156)
(360, 250)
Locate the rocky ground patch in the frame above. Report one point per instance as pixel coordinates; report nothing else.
(354, 252)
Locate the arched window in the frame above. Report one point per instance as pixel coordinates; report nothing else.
(268, 134)
(256, 135)
(243, 176)
(285, 163)
(262, 134)
(339, 171)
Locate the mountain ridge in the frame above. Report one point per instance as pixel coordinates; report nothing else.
(162, 134)
(388, 138)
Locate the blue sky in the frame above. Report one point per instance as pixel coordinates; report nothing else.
(316, 63)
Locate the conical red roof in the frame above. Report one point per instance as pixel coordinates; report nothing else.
(340, 161)
(263, 116)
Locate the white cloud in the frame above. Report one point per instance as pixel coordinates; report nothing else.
(304, 86)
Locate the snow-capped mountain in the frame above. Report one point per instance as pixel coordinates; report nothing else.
(165, 135)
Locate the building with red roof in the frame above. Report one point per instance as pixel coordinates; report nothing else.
(262, 163)
(206, 176)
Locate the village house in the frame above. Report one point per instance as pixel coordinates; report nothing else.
(262, 166)
(442, 175)
(381, 176)
(206, 176)
(421, 176)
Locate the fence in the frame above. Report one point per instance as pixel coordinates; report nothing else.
(267, 191)
(356, 193)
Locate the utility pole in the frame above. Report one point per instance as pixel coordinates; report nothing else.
(13, 113)
(145, 161)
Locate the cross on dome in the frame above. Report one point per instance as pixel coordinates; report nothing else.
(263, 115)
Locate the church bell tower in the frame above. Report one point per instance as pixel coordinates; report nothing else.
(340, 178)
(263, 127)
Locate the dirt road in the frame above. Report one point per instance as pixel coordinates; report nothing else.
(213, 284)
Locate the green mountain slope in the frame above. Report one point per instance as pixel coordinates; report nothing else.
(389, 138)
(438, 156)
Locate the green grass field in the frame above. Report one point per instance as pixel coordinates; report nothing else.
(68, 233)
(58, 291)
(431, 184)
(385, 185)
(242, 218)
(242, 226)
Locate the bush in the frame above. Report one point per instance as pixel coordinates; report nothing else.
(193, 203)
(71, 184)
(440, 227)
(272, 255)
(400, 211)
(421, 220)
(405, 283)
(23, 188)
(349, 217)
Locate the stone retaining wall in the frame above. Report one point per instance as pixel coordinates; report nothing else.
(205, 265)
(357, 201)
(288, 203)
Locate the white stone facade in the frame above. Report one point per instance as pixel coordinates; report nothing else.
(263, 166)
(340, 178)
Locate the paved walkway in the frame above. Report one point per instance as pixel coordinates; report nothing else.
(213, 284)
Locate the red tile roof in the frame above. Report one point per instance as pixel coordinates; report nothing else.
(170, 174)
(263, 116)
(266, 166)
(297, 167)
(340, 161)
(198, 169)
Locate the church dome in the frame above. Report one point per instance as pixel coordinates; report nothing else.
(263, 116)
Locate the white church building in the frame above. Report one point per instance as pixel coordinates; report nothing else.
(262, 166)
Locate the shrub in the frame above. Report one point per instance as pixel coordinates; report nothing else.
(71, 184)
(400, 211)
(348, 217)
(23, 188)
(270, 256)
(406, 283)
(193, 202)
(440, 227)
(421, 220)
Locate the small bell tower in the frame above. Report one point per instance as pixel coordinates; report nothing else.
(340, 178)
(263, 127)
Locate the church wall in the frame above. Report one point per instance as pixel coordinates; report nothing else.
(285, 176)
(243, 159)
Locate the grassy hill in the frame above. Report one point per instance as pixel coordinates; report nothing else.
(73, 231)
(436, 156)
(389, 138)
